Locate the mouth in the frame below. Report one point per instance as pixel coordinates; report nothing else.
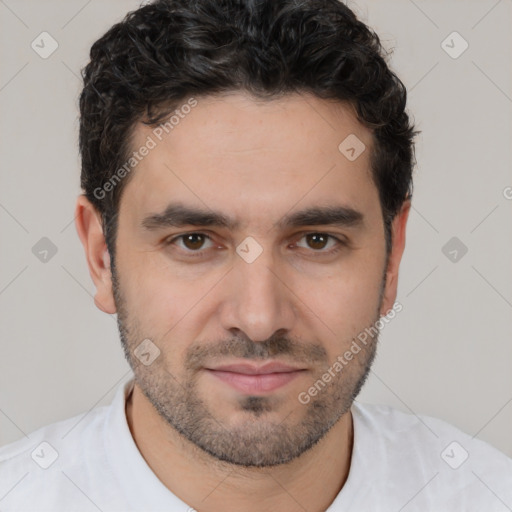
(256, 379)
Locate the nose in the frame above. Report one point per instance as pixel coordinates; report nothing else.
(258, 301)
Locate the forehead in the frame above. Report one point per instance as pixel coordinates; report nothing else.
(253, 159)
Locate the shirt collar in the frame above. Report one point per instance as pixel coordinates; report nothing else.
(142, 488)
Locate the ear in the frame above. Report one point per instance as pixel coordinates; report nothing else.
(397, 248)
(89, 227)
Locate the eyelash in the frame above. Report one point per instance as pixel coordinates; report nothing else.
(200, 253)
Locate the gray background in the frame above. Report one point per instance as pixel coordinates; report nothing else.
(447, 354)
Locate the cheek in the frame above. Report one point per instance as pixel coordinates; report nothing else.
(347, 301)
(149, 293)
(164, 304)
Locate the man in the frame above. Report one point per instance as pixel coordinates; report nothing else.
(247, 176)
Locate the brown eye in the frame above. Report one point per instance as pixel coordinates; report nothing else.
(317, 241)
(322, 243)
(193, 241)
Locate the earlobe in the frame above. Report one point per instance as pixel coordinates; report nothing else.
(90, 231)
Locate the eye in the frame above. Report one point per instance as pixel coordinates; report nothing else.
(191, 242)
(196, 244)
(319, 241)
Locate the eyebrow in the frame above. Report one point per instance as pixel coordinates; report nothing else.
(179, 215)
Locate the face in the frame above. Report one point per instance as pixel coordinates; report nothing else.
(250, 252)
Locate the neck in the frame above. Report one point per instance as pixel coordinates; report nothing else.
(310, 482)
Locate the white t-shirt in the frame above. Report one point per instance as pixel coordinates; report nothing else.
(400, 462)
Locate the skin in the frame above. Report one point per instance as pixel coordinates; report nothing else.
(255, 162)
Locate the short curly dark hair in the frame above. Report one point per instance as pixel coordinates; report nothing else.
(169, 50)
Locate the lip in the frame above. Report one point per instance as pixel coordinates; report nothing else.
(253, 379)
(252, 369)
